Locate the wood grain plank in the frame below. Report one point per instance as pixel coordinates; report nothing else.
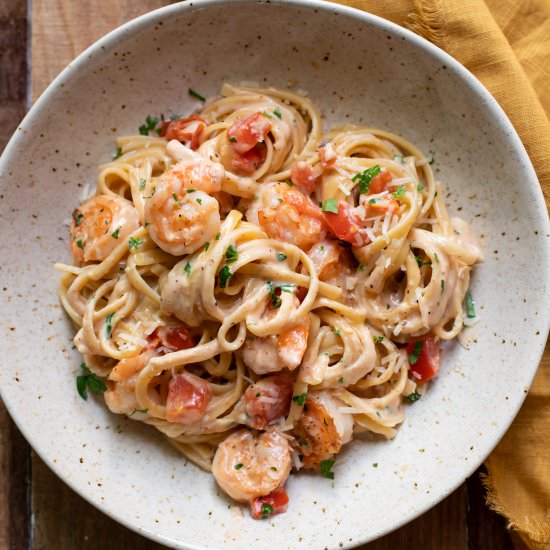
(14, 450)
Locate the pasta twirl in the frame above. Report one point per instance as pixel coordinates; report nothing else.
(259, 291)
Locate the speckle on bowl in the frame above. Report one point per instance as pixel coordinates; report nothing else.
(357, 68)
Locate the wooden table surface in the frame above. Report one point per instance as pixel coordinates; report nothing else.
(37, 510)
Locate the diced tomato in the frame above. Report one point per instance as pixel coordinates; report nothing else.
(186, 129)
(176, 338)
(249, 162)
(345, 225)
(379, 183)
(246, 133)
(274, 503)
(424, 356)
(268, 400)
(304, 176)
(188, 397)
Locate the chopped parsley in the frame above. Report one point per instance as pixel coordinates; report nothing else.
(275, 291)
(265, 113)
(232, 139)
(337, 332)
(191, 190)
(375, 464)
(80, 244)
(238, 466)
(277, 113)
(442, 285)
(399, 193)
(196, 95)
(422, 262)
(372, 201)
(225, 275)
(300, 398)
(149, 126)
(78, 216)
(199, 201)
(206, 246)
(175, 197)
(218, 237)
(115, 233)
(109, 324)
(420, 188)
(281, 257)
(413, 357)
(142, 183)
(273, 468)
(378, 339)
(330, 205)
(134, 243)
(231, 254)
(118, 153)
(360, 267)
(413, 397)
(288, 181)
(364, 178)
(341, 380)
(89, 380)
(267, 510)
(187, 268)
(470, 308)
(326, 468)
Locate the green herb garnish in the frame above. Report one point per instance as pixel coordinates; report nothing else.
(399, 193)
(330, 205)
(231, 254)
(89, 380)
(378, 339)
(142, 183)
(109, 324)
(420, 188)
(232, 139)
(238, 466)
(278, 113)
(364, 178)
(134, 243)
(326, 468)
(413, 397)
(78, 216)
(422, 262)
(80, 244)
(187, 268)
(300, 398)
(470, 308)
(149, 126)
(118, 153)
(224, 275)
(115, 233)
(281, 257)
(196, 95)
(442, 285)
(199, 201)
(413, 357)
(267, 510)
(175, 197)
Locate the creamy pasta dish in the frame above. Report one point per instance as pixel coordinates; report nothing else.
(262, 292)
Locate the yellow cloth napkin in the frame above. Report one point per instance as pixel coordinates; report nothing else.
(506, 44)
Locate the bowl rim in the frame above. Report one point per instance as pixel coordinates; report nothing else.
(496, 112)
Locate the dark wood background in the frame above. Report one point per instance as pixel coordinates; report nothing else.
(37, 510)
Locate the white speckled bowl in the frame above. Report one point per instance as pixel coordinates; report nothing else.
(356, 67)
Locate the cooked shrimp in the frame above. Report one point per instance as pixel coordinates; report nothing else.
(181, 220)
(322, 429)
(276, 352)
(247, 466)
(120, 397)
(268, 400)
(285, 213)
(99, 225)
(192, 170)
